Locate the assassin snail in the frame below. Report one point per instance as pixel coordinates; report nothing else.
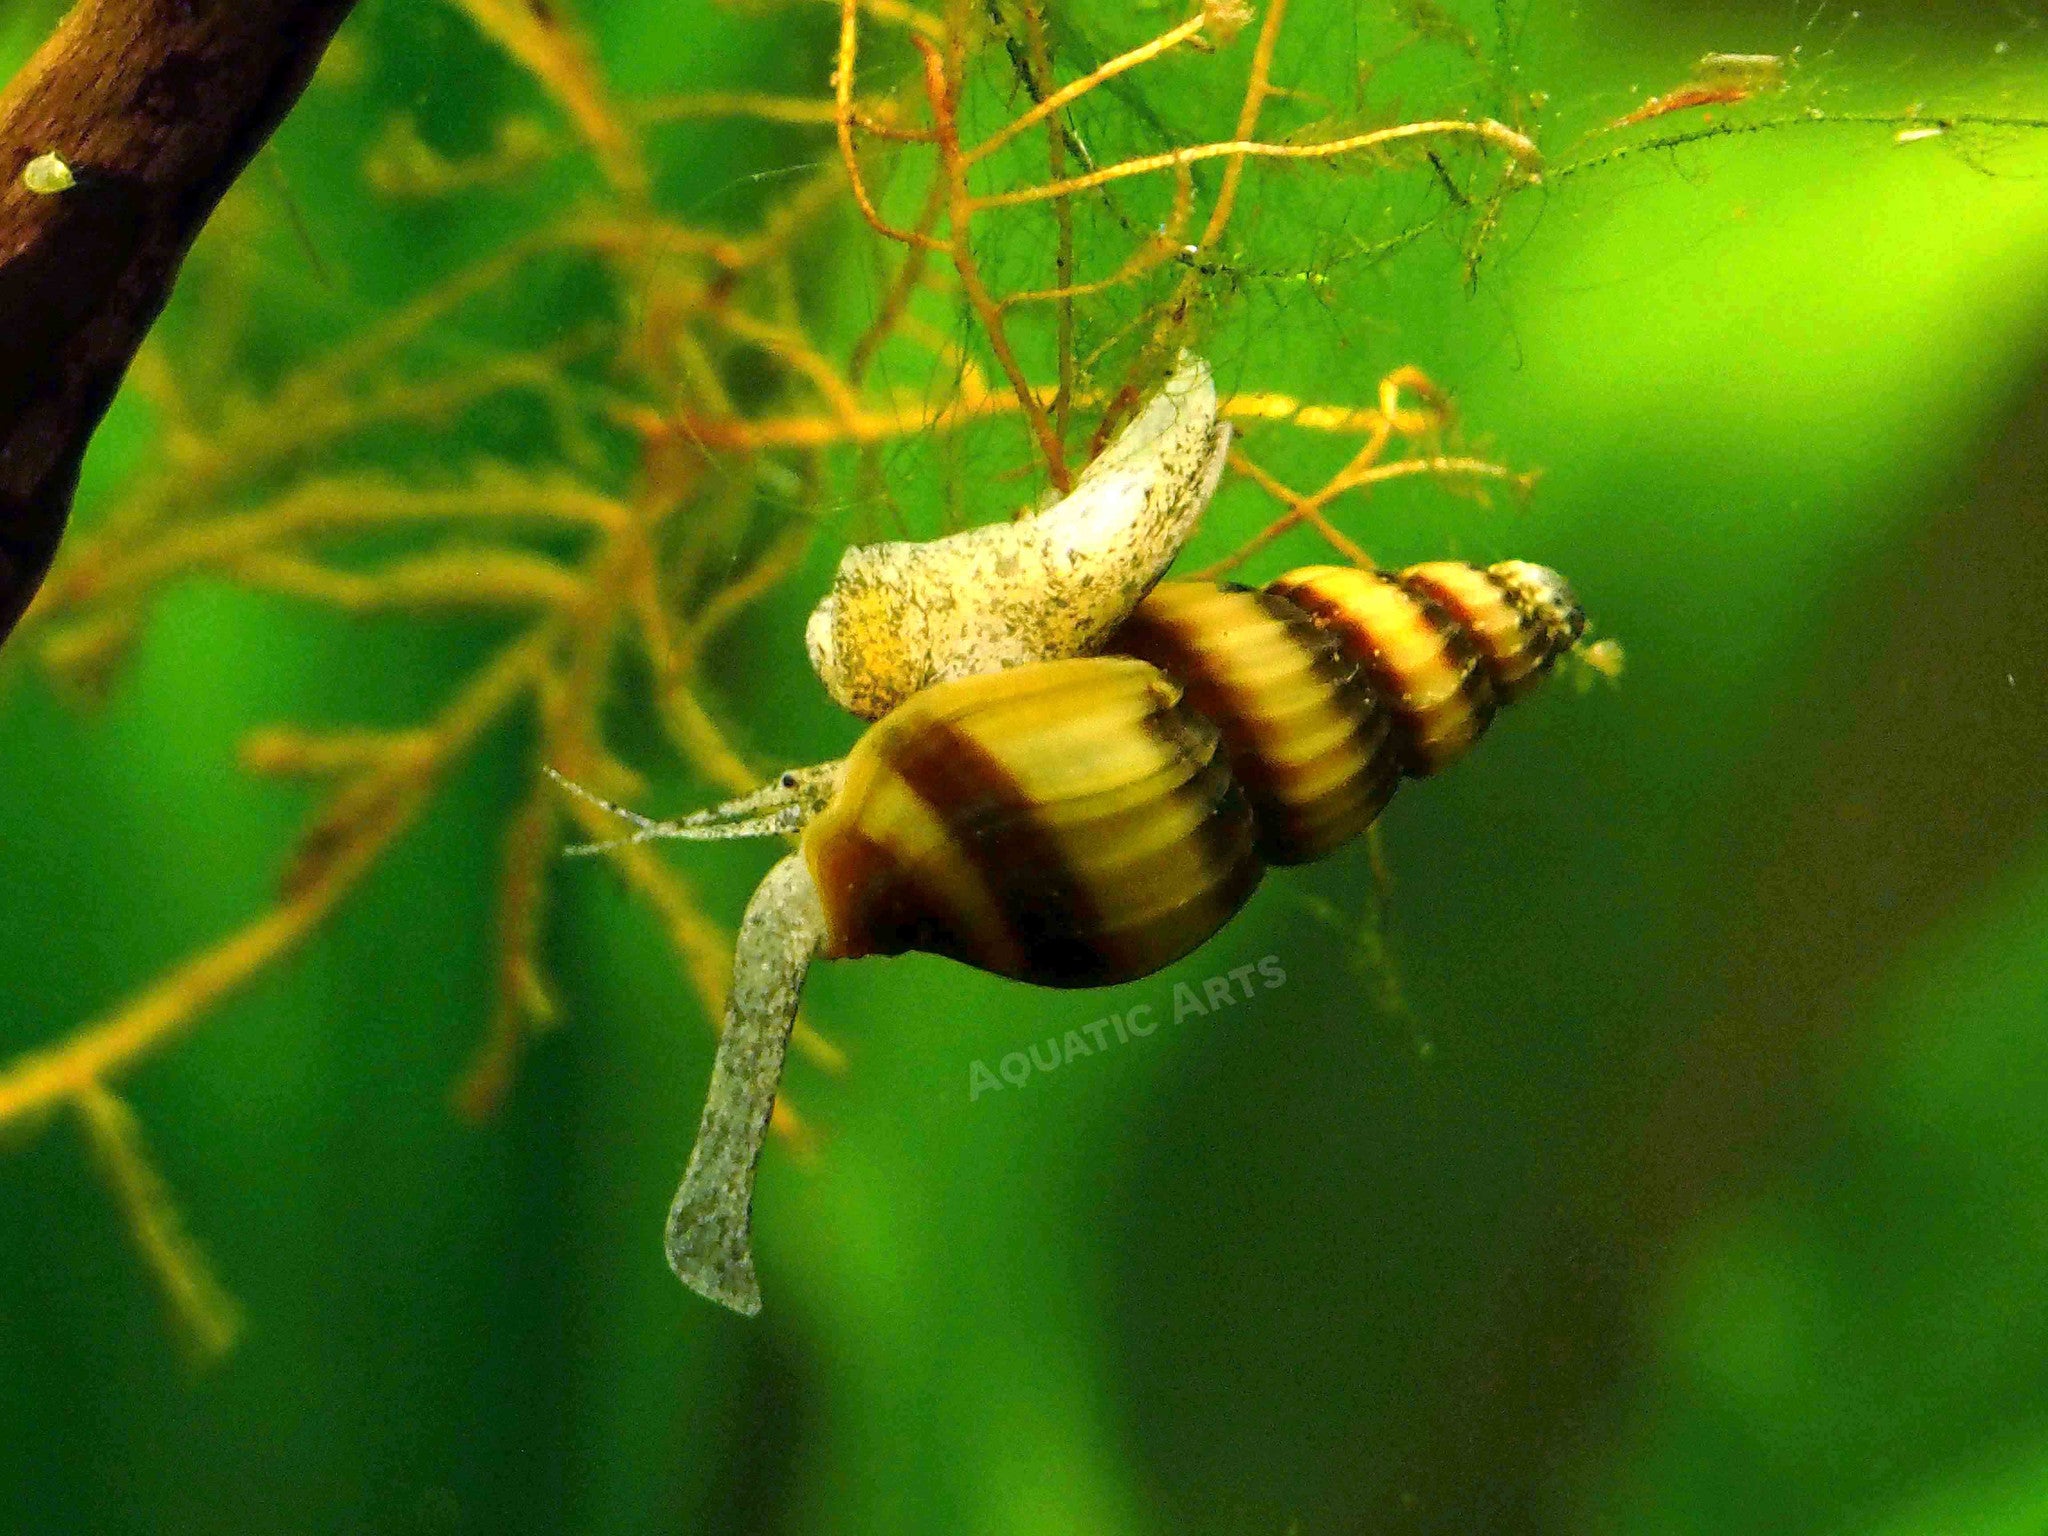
(1077, 774)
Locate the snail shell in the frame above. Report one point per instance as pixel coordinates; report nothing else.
(1072, 823)
(1422, 661)
(1088, 821)
(903, 616)
(1305, 733)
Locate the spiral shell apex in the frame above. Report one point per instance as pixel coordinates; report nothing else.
(903, 616)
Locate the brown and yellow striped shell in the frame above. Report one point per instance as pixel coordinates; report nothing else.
(1084, 822)
(1072, 823)
(1333, 682)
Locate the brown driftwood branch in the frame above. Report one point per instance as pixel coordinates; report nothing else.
(155, 106)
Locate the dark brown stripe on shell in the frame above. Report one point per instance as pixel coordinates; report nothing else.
(1512, 670)
(1475, 675)
(877, 908)
(1287, 832)
(1228, 835)
(1298, 840)
(1362, 646)
(1177, 650)
(994, 826)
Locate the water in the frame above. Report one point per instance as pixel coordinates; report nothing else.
(1644, 1135)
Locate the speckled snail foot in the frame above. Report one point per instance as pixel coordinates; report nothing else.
(710, 1220)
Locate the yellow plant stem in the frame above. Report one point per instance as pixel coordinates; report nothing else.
(1073, 91)
(1488, 131)
(160, 1012)
(205, 1315)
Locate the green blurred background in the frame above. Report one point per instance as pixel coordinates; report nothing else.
(1696, 1182)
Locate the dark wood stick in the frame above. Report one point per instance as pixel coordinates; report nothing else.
(155, 106)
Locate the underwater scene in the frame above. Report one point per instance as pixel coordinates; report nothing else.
(1024, 766)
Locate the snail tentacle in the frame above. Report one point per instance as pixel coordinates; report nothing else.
(711, 1219)
(624, 813)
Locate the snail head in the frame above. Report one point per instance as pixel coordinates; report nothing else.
(785, 804)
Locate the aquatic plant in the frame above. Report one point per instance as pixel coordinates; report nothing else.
(1032, 240)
